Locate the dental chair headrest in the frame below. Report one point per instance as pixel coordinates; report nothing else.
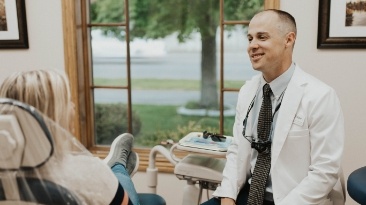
(25, 140)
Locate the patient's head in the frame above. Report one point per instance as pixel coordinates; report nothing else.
(46, 90)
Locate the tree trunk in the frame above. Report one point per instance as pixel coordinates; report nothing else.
(209, 94)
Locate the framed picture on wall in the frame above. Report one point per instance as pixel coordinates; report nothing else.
(13, 24)
(342, 24)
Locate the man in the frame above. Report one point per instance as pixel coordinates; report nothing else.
(292, 156)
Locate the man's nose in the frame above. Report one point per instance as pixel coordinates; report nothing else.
(253, 44)
(252, 47)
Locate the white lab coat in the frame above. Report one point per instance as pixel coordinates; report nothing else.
(307, 145)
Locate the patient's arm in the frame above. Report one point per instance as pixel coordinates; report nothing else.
(227, 201)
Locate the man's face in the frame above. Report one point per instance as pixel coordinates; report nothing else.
(266, 43)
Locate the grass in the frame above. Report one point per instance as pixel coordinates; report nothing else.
(161, 84)
(160, 123)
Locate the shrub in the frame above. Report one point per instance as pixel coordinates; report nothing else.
(111, 120)
(159, 136)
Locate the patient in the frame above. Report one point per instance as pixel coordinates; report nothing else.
(95, 182)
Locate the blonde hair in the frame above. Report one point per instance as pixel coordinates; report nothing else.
(46, 90)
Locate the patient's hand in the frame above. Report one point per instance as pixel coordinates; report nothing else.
(227, 201)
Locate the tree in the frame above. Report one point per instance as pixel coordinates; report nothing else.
(153, 19)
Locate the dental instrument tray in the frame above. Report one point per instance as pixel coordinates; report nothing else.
(206, 141)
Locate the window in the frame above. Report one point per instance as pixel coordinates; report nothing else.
(180, 72)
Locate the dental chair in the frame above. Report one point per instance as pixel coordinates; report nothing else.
(26, 147)
(356, 185)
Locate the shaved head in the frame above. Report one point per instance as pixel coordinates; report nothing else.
(287, 21)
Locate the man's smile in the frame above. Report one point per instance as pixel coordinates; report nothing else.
(256, 56)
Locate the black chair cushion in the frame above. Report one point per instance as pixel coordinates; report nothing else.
(42, 191)
(356, 185)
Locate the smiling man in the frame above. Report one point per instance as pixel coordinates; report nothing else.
(289, 128)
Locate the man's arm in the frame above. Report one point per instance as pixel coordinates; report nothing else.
(234, 174)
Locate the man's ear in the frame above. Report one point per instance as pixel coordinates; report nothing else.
(290, 39)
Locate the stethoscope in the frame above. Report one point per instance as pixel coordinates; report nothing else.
(258, 144)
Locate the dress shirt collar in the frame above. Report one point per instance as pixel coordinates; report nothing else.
(279, 84)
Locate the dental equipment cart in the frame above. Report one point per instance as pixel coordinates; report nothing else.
(198, 167)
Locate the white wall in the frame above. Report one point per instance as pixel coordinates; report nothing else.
(45, 36)
(343, 69)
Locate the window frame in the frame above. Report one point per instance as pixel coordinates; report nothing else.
(76, 56)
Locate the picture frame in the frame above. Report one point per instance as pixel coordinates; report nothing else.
(335, 29)
(13, 25)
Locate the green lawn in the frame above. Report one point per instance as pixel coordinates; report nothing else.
(160, 123)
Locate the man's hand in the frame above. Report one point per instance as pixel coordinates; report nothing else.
(227, 201)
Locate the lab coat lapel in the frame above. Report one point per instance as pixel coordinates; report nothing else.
(289, 106)
(251, 90)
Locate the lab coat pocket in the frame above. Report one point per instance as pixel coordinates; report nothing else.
(296, 137)
(297, 148)
(298, 133)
